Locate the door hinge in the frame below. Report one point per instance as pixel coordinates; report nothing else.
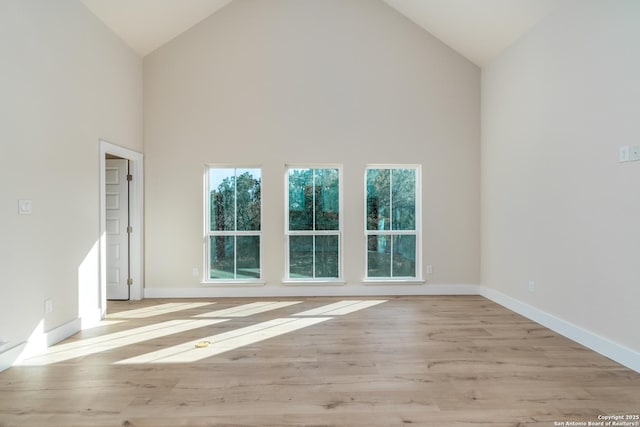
(129, 177)
(129, 281)
(129, 229)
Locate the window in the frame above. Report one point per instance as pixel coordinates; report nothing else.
(313, 224)
(233, 224)
(392, 222)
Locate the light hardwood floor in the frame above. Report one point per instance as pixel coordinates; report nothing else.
(428, 361)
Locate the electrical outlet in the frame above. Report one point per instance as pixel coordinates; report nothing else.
(195, 272)
(48, 306)
(429, 269)
(532, 286)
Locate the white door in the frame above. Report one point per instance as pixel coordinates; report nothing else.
(117, 224)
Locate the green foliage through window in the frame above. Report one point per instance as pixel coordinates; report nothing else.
(391, 222)
(314, 199)
(234, 223)
(314, 223)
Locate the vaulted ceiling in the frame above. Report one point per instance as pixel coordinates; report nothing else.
(477, 29)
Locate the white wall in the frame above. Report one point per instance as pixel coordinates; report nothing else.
(557, 207)
(66, 82)
(290, 81)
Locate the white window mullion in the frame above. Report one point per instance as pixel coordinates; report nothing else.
(235, 223)
(313, 199)
(390, 199)
(391, 222)
(391, 255)
(235, 200)
(313, 219)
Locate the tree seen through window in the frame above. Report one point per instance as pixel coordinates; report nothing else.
(234, 223)
(314, 223)
(391, 222)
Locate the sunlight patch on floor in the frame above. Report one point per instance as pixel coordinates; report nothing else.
(227, 341)
(208, 346)
(249, 309)
(156, 310)
(103, 323)
(202, 348)
(85, 347)
(340, 308)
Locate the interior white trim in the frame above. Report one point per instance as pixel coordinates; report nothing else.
(8, 357)
(63, 331)
(208, 233)
(309, 290)
(614, 351)
(418, 228)
(136, 206)
(38, 343)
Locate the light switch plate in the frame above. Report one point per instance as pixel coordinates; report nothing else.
(623, 154)
(25, 207)
(634, 153)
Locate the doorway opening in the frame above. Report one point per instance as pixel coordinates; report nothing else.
(117, 228)
(121, 224)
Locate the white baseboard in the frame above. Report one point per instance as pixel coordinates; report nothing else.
(9, 356)
(64, 331)
(310, 291)
(614, 351)
(38, 343)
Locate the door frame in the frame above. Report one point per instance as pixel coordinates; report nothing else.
(136, 212)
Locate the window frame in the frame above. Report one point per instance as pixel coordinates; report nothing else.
(417, 232)
(208, 233)
(340, 232)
